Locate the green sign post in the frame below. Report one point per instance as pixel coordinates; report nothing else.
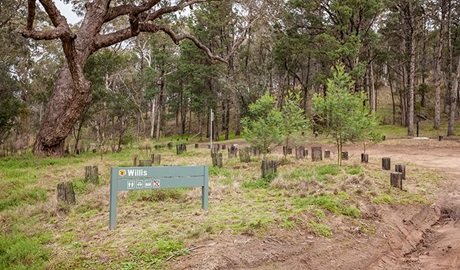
(141, 178)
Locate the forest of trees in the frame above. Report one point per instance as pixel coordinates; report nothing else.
(132, 70)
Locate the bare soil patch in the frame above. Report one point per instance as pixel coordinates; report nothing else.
(405, 237)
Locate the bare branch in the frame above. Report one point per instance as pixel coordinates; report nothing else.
(129, 9)
(53, 13)
(55, 33)
(102, 41)
(170, 9)
(178, 38)
(241, 39)
(62, 29)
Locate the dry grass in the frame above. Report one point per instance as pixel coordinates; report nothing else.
(307, 196)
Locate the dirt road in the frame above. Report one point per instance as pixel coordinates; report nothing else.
(407, 237)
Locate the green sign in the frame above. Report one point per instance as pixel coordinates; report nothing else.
(142, 178)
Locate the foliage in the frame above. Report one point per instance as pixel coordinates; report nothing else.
(294, 119)
(341, 113)
(263, 129)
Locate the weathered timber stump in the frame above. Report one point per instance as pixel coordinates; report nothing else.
(396, 179)
(440, 138)
(65, 193)
(196, 145)
(364, 158)
(216, 159)
(92, 174)
(269, 168)
(345, 155)
(223, 146)
(386, 163)
(316, 154)
(287, 150)
(244, 155)
(156, 159)
(170, 145)
(181, 148)
(327, 154)
(145, 162)
(232, 151)
(300, 152)
(402, 169)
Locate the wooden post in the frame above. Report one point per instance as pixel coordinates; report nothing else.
(440, 138)
(196, 145)
(316, 154)
(170, 145)
(364, 158)
(396, 179)
(386, 163)
(402, 169)
(156, 159)
(269, 168)
(327, 154)
(345, 155)
(134, 160)
(181, 148)
(219, 160)
(232, 151)
(66, 193)
(92, 174)
(244, 155)
(300, 152)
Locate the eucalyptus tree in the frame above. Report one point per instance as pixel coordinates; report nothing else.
(96, 31)
(341, 113)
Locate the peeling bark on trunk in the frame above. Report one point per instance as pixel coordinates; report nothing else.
(62, 112)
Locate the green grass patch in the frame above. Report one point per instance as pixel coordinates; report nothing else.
(13, 195)
(320, 229)
(19, 251)
(258, 183)
(330, 203)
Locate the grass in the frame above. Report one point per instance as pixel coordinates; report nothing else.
(154, 225)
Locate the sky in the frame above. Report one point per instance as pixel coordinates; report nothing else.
(66, 11)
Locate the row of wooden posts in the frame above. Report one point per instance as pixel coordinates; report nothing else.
(396, 177)
(66, 191)
(269, 168)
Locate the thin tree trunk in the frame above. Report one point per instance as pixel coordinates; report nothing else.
(412, 60)
(437, 70)
(372, 95)
(152, 118)
(453, 102)
(390, 81)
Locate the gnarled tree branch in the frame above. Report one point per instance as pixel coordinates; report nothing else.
(129, 9)
(178, 38)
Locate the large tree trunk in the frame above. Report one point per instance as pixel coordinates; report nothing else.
(72, 91)
(62, 112)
